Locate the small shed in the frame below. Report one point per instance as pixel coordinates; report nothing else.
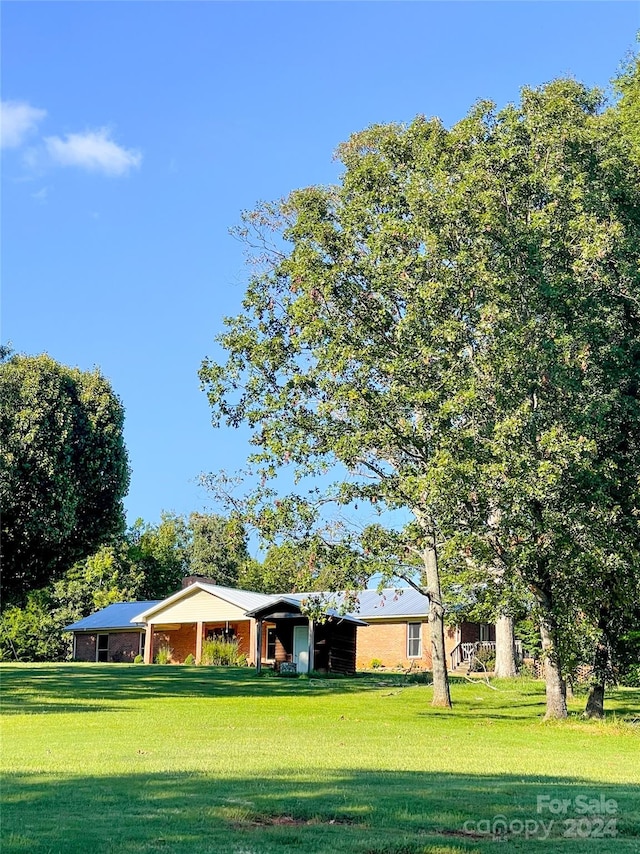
(327, 645)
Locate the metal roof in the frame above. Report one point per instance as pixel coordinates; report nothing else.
(245, 599)
(116, 616)
(390, 602)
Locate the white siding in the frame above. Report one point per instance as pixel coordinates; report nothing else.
(198, 607)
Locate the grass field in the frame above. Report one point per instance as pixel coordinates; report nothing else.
(118, 759)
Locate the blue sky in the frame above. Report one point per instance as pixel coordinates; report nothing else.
(135, 133)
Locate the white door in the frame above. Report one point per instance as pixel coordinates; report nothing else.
(301, 648)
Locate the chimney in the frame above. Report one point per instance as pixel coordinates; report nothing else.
(188, 580)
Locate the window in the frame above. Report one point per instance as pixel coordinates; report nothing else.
(414, 640)
(103, 648)
(271, 644)
(484, 632)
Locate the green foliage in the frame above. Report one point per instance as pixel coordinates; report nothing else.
(627, 85)
(298, 567)
(376, 664)
(160, 554)
(189, 660)
(32, 632)
(164, 653)
(221, 653)
(483, 661)
(139, 659)
(218, 547)
(63, 469)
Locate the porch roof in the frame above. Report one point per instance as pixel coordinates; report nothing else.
(295, 601)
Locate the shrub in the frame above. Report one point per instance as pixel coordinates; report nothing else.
(631, 677)
(139, 659)
(164, 654)
(221, 653)
(483, 660)
(376, 664)
(189, 659)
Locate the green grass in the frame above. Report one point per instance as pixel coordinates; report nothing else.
(117, 759)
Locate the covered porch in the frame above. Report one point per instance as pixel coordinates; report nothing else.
(300, 644)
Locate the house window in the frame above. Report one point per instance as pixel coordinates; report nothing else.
(484, 632)
(143, 639)
(103, 648)
(271, 644)
(414, 640)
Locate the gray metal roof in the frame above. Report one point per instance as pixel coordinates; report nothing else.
(116, 616)
(390, 602)
(245, 599)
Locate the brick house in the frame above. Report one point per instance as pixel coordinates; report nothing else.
(388, 629)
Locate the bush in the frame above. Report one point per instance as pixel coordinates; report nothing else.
(139, 659)
(222, 653)
(376, 664)
(164, 654)
(483, 660)
(631, 676)
(189, 660)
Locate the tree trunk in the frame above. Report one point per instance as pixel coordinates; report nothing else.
(441, 694)
(505, 648)
(595, 700)
(555, 685)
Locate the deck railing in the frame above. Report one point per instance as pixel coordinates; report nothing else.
(465, 652)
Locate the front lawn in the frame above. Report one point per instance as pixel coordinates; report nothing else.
(118, 759)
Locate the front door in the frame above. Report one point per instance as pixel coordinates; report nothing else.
(301, 648)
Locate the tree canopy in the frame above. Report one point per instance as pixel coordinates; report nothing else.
(63, 469)
(455, 326)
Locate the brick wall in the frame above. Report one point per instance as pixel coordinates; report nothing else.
(387, 642)
(85, 647)
(123, 646)
(182, 642)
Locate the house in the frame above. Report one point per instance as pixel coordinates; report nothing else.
(370, 628)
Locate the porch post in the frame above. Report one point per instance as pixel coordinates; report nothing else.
(311, 645)
(199, 636)
(148, 644)
(258, 646)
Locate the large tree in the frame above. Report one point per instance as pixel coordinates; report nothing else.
(455, 326)
(63, 469)
(219, 547)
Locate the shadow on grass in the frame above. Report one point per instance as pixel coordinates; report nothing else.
(48, 688)
(350, 810)
(74, 687)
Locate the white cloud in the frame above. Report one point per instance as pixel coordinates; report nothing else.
(41, 196)
(17, 120)
(93, 151)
